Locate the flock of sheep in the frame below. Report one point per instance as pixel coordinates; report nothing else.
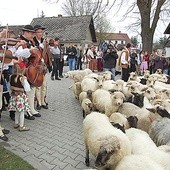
(126, 124)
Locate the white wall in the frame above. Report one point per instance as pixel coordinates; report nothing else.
(167, 51)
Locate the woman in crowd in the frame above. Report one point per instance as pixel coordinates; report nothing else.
(144, 61)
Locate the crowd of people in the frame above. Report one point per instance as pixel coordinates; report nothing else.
(25, 61)
(24, 74)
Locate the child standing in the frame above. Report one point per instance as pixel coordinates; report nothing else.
(19, 101)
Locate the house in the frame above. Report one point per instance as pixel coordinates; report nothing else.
(14, 30)
(167, 44)
(78, 30)
(120, 39)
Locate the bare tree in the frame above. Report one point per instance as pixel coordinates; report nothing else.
(86, 7)
(102, 26)
(145, 13)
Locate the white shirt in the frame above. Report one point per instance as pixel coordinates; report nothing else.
(90, 54)
(20, 52)
(123, 58)
(54, 50)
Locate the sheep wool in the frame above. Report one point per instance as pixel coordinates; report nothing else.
(107, 103)
(142, 144)
(99, 133)
(160, 131)
(138, 162)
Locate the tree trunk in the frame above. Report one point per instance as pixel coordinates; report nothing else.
(148, 29)
(147, 40)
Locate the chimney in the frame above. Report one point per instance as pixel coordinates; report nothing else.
(59, 15)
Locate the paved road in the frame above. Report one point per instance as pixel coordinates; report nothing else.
(55, 140)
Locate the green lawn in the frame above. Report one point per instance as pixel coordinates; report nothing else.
(10, 161)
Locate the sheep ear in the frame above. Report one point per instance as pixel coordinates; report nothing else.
(113, 82)
(134, 93)
(151, 110)
(112, 91)
(128, 84)
(96, 79)
(144, 89)
(164, 90)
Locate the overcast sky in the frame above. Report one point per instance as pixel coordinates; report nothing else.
(21, 12)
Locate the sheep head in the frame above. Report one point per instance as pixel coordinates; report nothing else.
(118, 126)
(158, 71)
(108, 147)
(132, 120)
(150, 94)
(117, 98)
(162, 112)
(133, 76)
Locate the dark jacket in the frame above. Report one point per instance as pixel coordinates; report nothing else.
(71, 52)
(133, 58)
(110, 60)
(159, 62)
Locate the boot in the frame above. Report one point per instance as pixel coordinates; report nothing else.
(4, 138)
(44, 105)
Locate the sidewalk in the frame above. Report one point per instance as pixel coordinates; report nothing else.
(55, 140)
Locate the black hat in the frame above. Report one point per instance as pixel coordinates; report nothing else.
(36, 27)
(28, 28)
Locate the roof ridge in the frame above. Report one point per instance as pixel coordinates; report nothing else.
(63, 17)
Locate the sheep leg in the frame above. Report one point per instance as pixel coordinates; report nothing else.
(87, 157)
(84, 114)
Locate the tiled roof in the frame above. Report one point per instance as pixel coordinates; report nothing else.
(72, 28)
(167, 31)
(116, 36)
(14, 29)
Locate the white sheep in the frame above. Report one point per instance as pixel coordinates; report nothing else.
(107, 75)
(138, 162)
(137, 84)
(91, 83)
(165, 148)
(129, 122)
(78, 75)
(76, 88)
(84, 94)
(134, 77)
(159, 86)
(87, 107)
(92, 75)
(165, 94)
(108, 144)
(108, 84)
(142, 144)
(160, 131)
(107, 103)
(113, 85)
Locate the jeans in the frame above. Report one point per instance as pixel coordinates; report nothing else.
(165, 71)
(112, 70)
(71, 63)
